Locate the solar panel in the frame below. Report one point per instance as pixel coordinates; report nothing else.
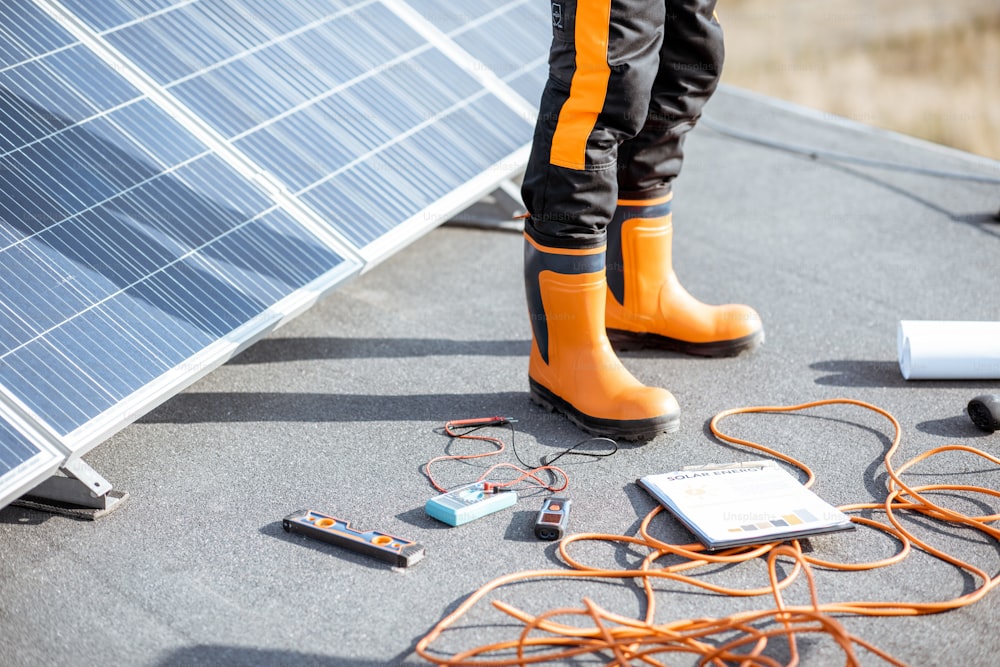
(132, 256)
(177, 177)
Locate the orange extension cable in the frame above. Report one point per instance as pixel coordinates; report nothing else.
(737, 639)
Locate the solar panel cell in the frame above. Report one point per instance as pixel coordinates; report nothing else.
(80, 70)
(163, 140)
(33, 81)
(27, 32)
(14, 449)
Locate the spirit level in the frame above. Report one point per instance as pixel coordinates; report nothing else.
(392, 549)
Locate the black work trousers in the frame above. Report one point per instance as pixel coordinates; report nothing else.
(627, 81)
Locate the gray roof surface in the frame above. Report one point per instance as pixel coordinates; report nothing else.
(337, 411)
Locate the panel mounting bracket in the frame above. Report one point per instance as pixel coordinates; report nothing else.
(75, 490)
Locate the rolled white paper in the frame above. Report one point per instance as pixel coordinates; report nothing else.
(935, 350)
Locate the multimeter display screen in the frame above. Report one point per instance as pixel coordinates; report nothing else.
(550, 517)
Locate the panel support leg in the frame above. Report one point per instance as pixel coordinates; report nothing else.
(75, 490)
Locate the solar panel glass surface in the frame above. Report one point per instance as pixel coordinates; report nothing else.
(345, 104)
(126, 245)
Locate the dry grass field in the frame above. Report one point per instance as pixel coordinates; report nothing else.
(928, 68)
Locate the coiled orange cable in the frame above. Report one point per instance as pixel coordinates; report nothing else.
(741, 638)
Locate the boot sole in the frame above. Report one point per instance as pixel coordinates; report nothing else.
(630, 340)
(637, 429)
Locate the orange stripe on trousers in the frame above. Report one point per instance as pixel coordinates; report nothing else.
(588, 88)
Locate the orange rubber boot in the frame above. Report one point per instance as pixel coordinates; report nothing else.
(573, 368)
(646, 304)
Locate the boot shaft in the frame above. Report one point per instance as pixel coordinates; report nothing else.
(573, 283)
(639, 235)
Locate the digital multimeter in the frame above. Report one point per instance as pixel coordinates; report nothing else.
(468, 503)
